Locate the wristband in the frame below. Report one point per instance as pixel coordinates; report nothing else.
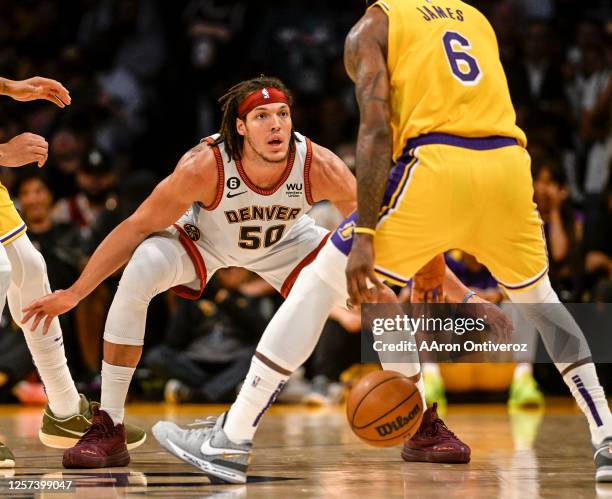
(467, 296)
(364, 230)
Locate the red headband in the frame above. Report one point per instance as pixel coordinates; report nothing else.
(261, 97)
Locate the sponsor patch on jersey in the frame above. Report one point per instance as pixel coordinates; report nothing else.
(192, 232)
(294, 190)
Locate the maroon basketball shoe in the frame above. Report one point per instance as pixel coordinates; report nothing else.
(434, 442)
(102, 446)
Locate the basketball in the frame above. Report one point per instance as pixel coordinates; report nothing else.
(384, 408)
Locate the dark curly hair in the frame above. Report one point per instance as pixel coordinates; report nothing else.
(228, 135)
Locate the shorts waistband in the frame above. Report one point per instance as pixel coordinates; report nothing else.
(477, 143)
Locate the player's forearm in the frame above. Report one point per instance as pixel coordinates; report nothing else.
(6, 86)
(4, 155)
(114, 252)
(374, 149)
(8, 157)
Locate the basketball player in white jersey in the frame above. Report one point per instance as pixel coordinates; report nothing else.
(240, 199)
(237, 199)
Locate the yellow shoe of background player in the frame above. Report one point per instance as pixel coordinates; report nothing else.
(524, 393)
(434, 390)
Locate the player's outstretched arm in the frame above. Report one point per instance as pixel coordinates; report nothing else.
(331, 180)
(194, 179)
(36, 88)
(365, 61)
(24, 149)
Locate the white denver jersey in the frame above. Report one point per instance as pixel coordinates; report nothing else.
(264, 230)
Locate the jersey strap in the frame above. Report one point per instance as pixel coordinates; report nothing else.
(220, 173)
(307, 162)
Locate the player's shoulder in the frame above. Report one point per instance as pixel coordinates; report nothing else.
(199, 162)
(327, 166)
(322, 157)
(372, 26)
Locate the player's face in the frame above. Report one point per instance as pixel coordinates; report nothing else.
(267, 131)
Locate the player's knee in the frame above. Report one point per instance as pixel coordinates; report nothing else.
(33, 265)
(542, 292)
(150, 271)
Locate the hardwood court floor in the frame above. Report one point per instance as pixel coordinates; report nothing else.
(303, 452)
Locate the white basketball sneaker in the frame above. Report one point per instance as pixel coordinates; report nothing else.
(207, 448)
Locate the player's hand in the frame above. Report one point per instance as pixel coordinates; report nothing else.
(360, 269)
(24, 149)
(428, 283)
(48, 307)
(39, 88)
(499, 324)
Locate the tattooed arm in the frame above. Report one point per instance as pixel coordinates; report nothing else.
(366, 63)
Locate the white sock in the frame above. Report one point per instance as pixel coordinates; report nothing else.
(115, 385)
(589, 394)
(50, 360)
(430, 368)
(522, 368)
(259, 390)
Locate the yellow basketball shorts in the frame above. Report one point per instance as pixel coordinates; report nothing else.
(448, 192)
(11, 224)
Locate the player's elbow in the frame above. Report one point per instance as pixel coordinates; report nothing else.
(138, 227)
(378, 131)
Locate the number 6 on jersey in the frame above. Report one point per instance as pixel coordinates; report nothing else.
(463, 66)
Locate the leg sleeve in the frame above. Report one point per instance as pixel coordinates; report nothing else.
(158, 264)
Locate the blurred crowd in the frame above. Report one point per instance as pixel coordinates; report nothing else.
(145, 77)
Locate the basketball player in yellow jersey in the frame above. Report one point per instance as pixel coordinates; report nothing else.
(23, 277)
(434, 102)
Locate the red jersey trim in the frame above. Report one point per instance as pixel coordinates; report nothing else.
(274, 188)
(308, 259)
(307, 162)
(198, 263)
(220, 177)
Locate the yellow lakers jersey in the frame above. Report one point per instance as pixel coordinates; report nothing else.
(445, 73)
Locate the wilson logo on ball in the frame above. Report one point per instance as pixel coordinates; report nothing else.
(398, 423)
